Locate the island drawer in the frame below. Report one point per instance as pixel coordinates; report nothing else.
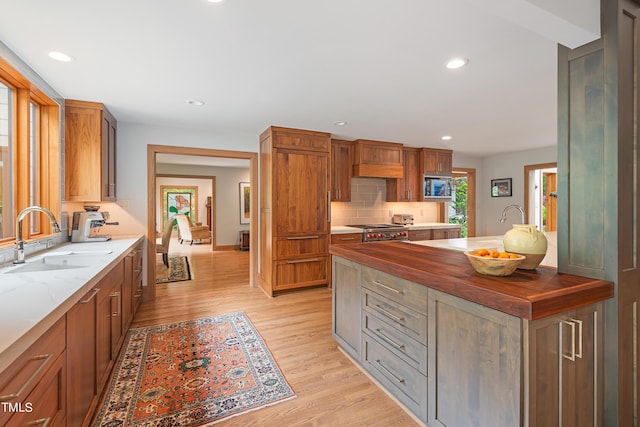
(410, 294)
(411, 323)
(400, 344)
(401, 380)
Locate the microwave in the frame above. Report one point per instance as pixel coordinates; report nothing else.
(437, 188)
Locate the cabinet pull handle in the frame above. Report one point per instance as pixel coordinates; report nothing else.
(119, 307)
(389, 288)
(44, 421)
(303, 237)
(299, 261)
(347, 238)
(45, 360)
(93, 294)
(389, 314)
(328, 206)
(579, 352)
(389, 340)
(572, 325)
(388, 372)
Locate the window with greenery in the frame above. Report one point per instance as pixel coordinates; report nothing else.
(29, 154)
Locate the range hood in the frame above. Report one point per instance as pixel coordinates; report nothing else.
(376, 159)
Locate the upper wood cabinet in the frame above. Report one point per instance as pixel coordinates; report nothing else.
(341, 170)
(437, 162)
(408, 188)
(377, 159)
(90, 152)
(294, 209)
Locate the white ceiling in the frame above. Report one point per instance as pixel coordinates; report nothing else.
(377, 64)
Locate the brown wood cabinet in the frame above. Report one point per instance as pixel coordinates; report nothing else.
(82, 390)
(109, 323)
(437, 162)
(377, 159)
(341, 170)
(294, 208)
(445, 233)
(338, 239)
(90, 152)
(33, 388)
(132, 286)
(409, 187)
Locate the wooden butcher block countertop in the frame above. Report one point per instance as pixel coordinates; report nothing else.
(528, 294)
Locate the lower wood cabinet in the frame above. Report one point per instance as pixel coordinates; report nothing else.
(82, 379)
(435, 234)
(33, 388)
(469, 365)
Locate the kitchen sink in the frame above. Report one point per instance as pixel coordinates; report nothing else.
(57, 261)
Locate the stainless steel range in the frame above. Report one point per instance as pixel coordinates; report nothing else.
(382, 232)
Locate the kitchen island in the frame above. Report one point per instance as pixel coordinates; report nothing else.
(519, 350)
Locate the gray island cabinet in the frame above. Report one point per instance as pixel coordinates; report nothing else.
(460, 349)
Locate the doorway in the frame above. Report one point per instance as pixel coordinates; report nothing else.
(152, 152)
(540, 203)
(462, 207)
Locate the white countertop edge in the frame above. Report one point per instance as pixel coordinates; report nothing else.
(343, 229)
(24, 332)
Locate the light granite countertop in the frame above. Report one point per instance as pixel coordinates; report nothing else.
(344, 229)
(31, 302)
(490, 242)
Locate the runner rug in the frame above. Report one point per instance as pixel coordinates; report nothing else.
(193, 373)
(178, 270)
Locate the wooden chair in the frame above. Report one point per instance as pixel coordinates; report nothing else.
(191, 232)
(163, 247)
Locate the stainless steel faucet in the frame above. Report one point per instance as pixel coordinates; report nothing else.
(503, 218)
(18, 257)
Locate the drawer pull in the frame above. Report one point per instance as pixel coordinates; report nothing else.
(388, 313)
(389, 288)
(574, 353)
(42, 421)
(389, 340)
(45, 360)
(303, 237)
(299, 261)
(347, 238)
(388, 372)
(86, 301)
(117, 295)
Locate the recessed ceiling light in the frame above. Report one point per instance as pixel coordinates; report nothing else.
(457, 63)
(196, 102)
(446, 137)
(215, 1)
(340, 123)
(60, 56)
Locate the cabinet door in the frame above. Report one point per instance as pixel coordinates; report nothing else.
(346, 305)
(341, 170)
(300, 192)
(128, 289)
(103, 335)
(407, 189)
(565, 370)
(81, 358)
(446, 233)
(437, 162)
(83, 154)
(109, 127)
(116, 319)
(420, 235)
(473, 365)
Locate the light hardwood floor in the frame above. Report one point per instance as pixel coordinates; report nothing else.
(330, 389)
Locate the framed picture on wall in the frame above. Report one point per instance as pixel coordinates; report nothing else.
(245, 203)
(501, 187)
(179, 200)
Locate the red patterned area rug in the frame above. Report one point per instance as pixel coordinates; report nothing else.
(193, 373)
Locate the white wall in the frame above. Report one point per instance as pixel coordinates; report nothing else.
(509, 165)
(131, 165)
(227, 199)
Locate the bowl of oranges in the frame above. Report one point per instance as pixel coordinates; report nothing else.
(493, 262)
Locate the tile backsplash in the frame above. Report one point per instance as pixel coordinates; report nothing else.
(368, 205)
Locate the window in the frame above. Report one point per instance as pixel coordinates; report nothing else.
(29, 154)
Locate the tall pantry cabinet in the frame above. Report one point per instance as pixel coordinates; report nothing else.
(295, 208)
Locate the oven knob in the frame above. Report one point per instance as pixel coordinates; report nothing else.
(393, 236)
(380, 235)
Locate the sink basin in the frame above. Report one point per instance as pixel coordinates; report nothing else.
(57, 261)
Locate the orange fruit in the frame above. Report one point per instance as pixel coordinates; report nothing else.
(482, 252)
